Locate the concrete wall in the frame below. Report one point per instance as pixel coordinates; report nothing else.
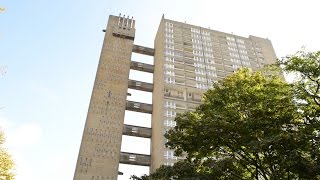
(101, 141)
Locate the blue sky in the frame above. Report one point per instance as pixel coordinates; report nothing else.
(51, 50)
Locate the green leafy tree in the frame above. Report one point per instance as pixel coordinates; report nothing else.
(180, 170)
(306, 67)
(249, 127)
(6, 163)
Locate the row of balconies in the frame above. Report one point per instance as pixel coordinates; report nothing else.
(129, 130)
(187, 64)
(187, 46)
(218, 48)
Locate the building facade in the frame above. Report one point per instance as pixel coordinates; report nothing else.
(188, 59)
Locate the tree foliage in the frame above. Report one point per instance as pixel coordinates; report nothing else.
(250, 126)
(180, 170)
(6, 163)
(306, 67)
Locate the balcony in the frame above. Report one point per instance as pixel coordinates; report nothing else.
(139, 107)
(135, 159)
(136, 131)
(142, 86)
(141, 67)
(143, 50)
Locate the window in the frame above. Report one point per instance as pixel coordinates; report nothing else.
(232, 49)
(201, 86)
(195, 46)
(169, 40)
(208, 55)
(240, 41)
(136, 105)
(167, 92)
(210, 67)
(235, 66)
(169, 29)
(241, 46)
(243, 51)
(208, 49)
(170, 123)
(169, 46)
(169, 52)
(196, 52)
(199, 59)
(212, 81)
(230, 38)
(132, 157)
(201, 79)
(212, 74)
(168, 24)
(246, 63)
(199, 65)
(170, 113)
(205, 33)
(134, 130)
(170, 104)
(234, 55)
(231, 43)
(200, 71)
(169, 73)
(244, 57)
(234, 60)
(169, 35)
(210, 61)
(168, 163)
(169, 59)
(178, 54)
(170, 80)
(169, 154)
(195, 30)
(168, 66)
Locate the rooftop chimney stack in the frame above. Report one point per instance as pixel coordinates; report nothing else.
(131, 22)
(119, 19)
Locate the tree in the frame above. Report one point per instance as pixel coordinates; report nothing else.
(6, 163)
(306, 67)
(249, 127)
(180, 170)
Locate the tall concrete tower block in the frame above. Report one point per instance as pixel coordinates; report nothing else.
(99, 153)
(188, 60)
